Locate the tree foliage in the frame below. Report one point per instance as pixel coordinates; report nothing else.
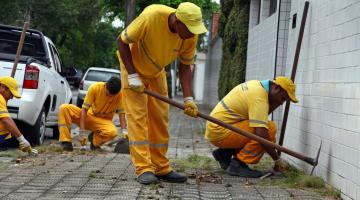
(233, 28)
(77, 28)
(207, 7)
(81, 30)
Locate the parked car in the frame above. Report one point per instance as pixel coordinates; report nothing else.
(73, 76)
(93, 75)
(41, 80)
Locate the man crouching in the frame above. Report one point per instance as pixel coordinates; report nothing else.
(101, 102)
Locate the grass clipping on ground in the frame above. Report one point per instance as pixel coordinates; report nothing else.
(194, 161)
(297, 179)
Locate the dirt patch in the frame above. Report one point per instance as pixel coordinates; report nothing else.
(205, 177)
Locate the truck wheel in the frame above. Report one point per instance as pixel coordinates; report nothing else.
(37, 132)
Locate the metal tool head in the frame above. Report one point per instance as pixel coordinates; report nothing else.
(266, 175)
(33, 152)
(122, 146)
(316, 159)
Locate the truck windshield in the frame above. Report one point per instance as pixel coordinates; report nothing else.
(33, 46)
(100, 76)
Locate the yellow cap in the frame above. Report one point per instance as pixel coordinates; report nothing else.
(190, 14)
(11, 83)
(288, 85)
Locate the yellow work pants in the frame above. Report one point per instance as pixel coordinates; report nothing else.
(147, 125)
(247, 150)
(104, 129)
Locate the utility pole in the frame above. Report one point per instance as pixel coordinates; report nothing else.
(130, 11)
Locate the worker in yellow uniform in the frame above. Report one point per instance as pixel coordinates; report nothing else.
(158, 36)
(101, 102)
(247, 107)
(8, 128)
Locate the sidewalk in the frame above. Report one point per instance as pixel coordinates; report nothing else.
(106, 175)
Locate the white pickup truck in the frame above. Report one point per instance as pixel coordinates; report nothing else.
(41, 82)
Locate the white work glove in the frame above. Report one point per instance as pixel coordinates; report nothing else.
(80, 136)
(135, 83)
(190, 107)
(124, 131)
(25, 146)
(281, 165)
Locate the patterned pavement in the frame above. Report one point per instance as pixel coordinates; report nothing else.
(106, 175)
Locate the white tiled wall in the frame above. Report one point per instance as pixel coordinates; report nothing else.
(261, 47)
(254, 13)
(281, 55)
(328, 88)
(327, 80)
(266, 56)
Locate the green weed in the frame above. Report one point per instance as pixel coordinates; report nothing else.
(49, 148)
(201, 131)
(295, 178)
(10, 153)
(194, 162)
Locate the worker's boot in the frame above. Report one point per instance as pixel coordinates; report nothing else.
(239, 168)
(67, 146)
(223, 156)
(173, 177)
(147, 178)
(92, 146)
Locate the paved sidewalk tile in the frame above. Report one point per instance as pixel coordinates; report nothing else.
(107, 175)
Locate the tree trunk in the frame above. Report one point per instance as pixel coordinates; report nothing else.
(130, 11)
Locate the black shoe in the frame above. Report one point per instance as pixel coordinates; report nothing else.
(67, 146)
(3, 148)
(239, 168)
(147, 178)
(223, 156)
(92, 146)
(173, 177)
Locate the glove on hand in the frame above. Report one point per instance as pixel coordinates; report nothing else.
(190, 107)
(84, 133)
(123, 131)
(135, 83)
(24, 145)
(281, 165)
(80, 137)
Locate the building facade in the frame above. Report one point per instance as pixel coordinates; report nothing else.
(327, 81)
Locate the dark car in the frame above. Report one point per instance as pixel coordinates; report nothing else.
(73, 76)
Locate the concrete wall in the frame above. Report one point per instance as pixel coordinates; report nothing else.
(212, 71)
(199, 77)
(328, 88)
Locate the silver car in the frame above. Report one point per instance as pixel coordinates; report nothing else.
(93, 75)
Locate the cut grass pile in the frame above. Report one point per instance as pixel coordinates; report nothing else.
(50, 148)
(194, 161)
(297, 179)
